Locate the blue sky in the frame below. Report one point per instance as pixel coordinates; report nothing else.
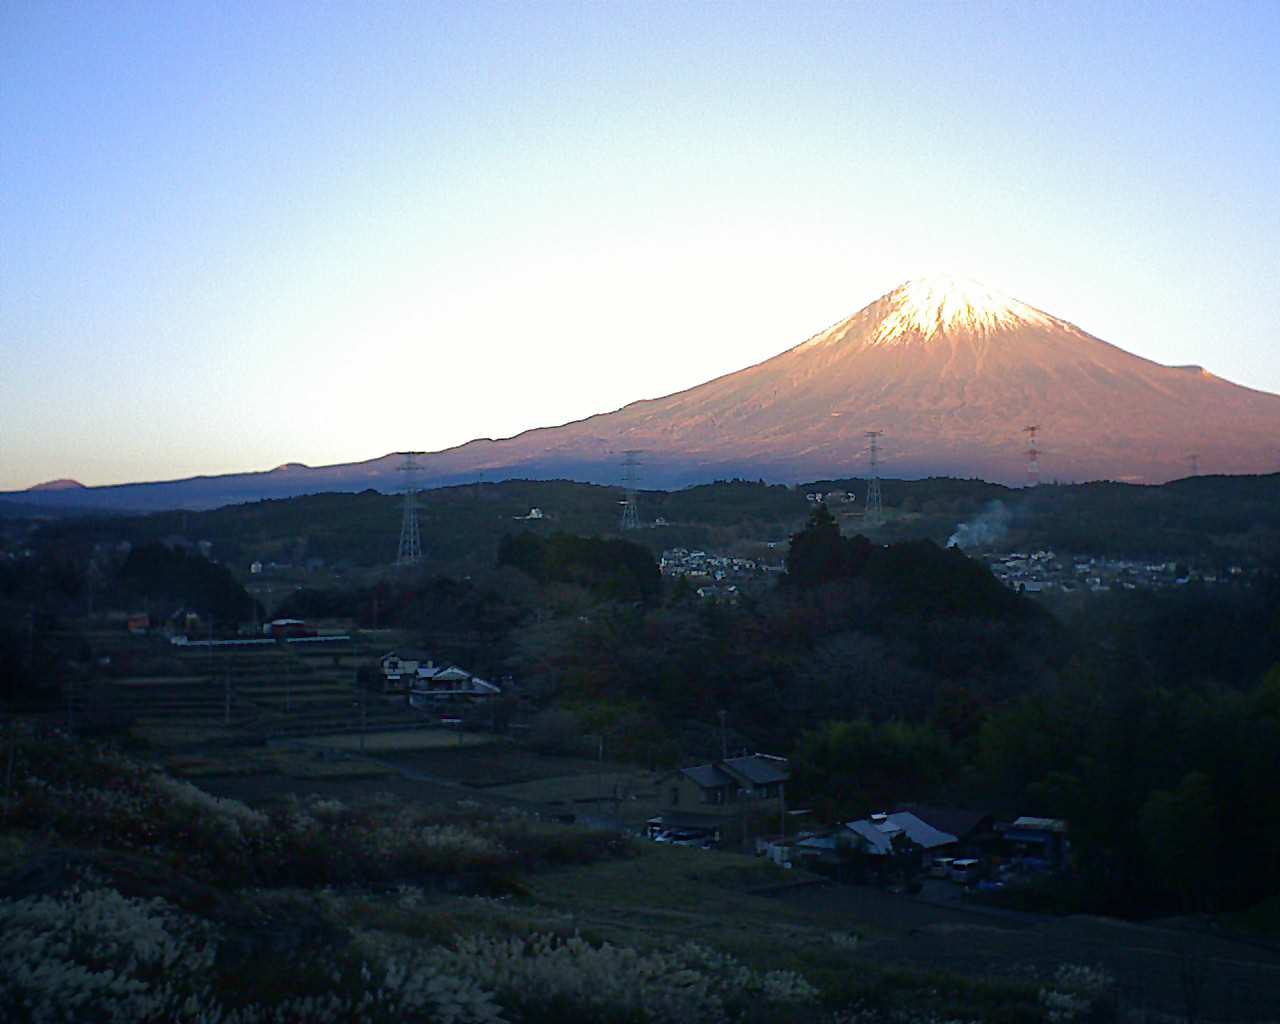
(234, 235)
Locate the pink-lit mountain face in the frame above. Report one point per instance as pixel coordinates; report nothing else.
(951, 372)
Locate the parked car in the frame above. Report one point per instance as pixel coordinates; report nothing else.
(676, 837)
(966, 870)
(941, 867)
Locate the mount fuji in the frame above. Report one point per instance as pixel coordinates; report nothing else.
(950, 371)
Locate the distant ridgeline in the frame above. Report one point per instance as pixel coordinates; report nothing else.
(1216, 518)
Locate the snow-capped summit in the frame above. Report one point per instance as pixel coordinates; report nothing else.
(937, 305)
(926, 308)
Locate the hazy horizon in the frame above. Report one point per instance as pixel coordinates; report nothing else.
(242, 236)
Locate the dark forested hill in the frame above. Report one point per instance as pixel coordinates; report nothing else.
(1215, 519)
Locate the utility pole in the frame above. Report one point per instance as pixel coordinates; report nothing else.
(8, 771)
(724, 738)
(1194, 462)
(360, 693)
(71, 704)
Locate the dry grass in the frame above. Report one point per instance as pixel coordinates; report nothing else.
(672, 894)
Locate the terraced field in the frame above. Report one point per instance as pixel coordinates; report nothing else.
(242, 694)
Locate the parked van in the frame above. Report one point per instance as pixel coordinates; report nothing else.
(941, 867)
(966, 871)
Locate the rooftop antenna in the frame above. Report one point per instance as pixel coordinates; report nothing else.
(410, 552)
(1033, 455)
(872, 513)
(1194, 461)
(630, 477)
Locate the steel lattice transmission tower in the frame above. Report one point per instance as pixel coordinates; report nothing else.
(1033, 455)
(873, 513)
(630, 477)
(410, 552)
(1194, 460)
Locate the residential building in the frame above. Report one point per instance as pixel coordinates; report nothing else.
(723, 796)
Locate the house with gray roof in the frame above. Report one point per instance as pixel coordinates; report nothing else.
(733, 789)
(877, 833)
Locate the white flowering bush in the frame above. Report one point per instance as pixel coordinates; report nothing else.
(88, 793)
(93, 955)
(96, 955)
(93, 794)
(387, 994)
(361, 934)
(1076, 991)
(229, 813)
(543, 976)
(328, 810)
(898, 1015)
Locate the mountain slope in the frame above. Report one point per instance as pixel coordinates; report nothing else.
(952, 373)
(949, 370)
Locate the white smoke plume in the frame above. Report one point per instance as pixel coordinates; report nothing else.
(985, 530)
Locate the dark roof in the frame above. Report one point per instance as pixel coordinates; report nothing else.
(759, 769)
(708, 776)
(409, 654)
(685, 819)
(957, 821)
(756, 769)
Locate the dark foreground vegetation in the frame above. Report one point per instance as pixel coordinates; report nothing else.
(128, 895)
(888, 670)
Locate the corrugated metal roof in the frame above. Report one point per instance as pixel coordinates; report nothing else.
(876, 840)
(920, 832)
(879, 835)
(1047, 824)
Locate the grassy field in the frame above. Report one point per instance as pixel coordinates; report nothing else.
(195, 677)
(158, 735)
(496, 765)
(295, 764)
(402, 740)
(630, 796)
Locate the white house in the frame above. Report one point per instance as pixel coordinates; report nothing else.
(436, 683)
